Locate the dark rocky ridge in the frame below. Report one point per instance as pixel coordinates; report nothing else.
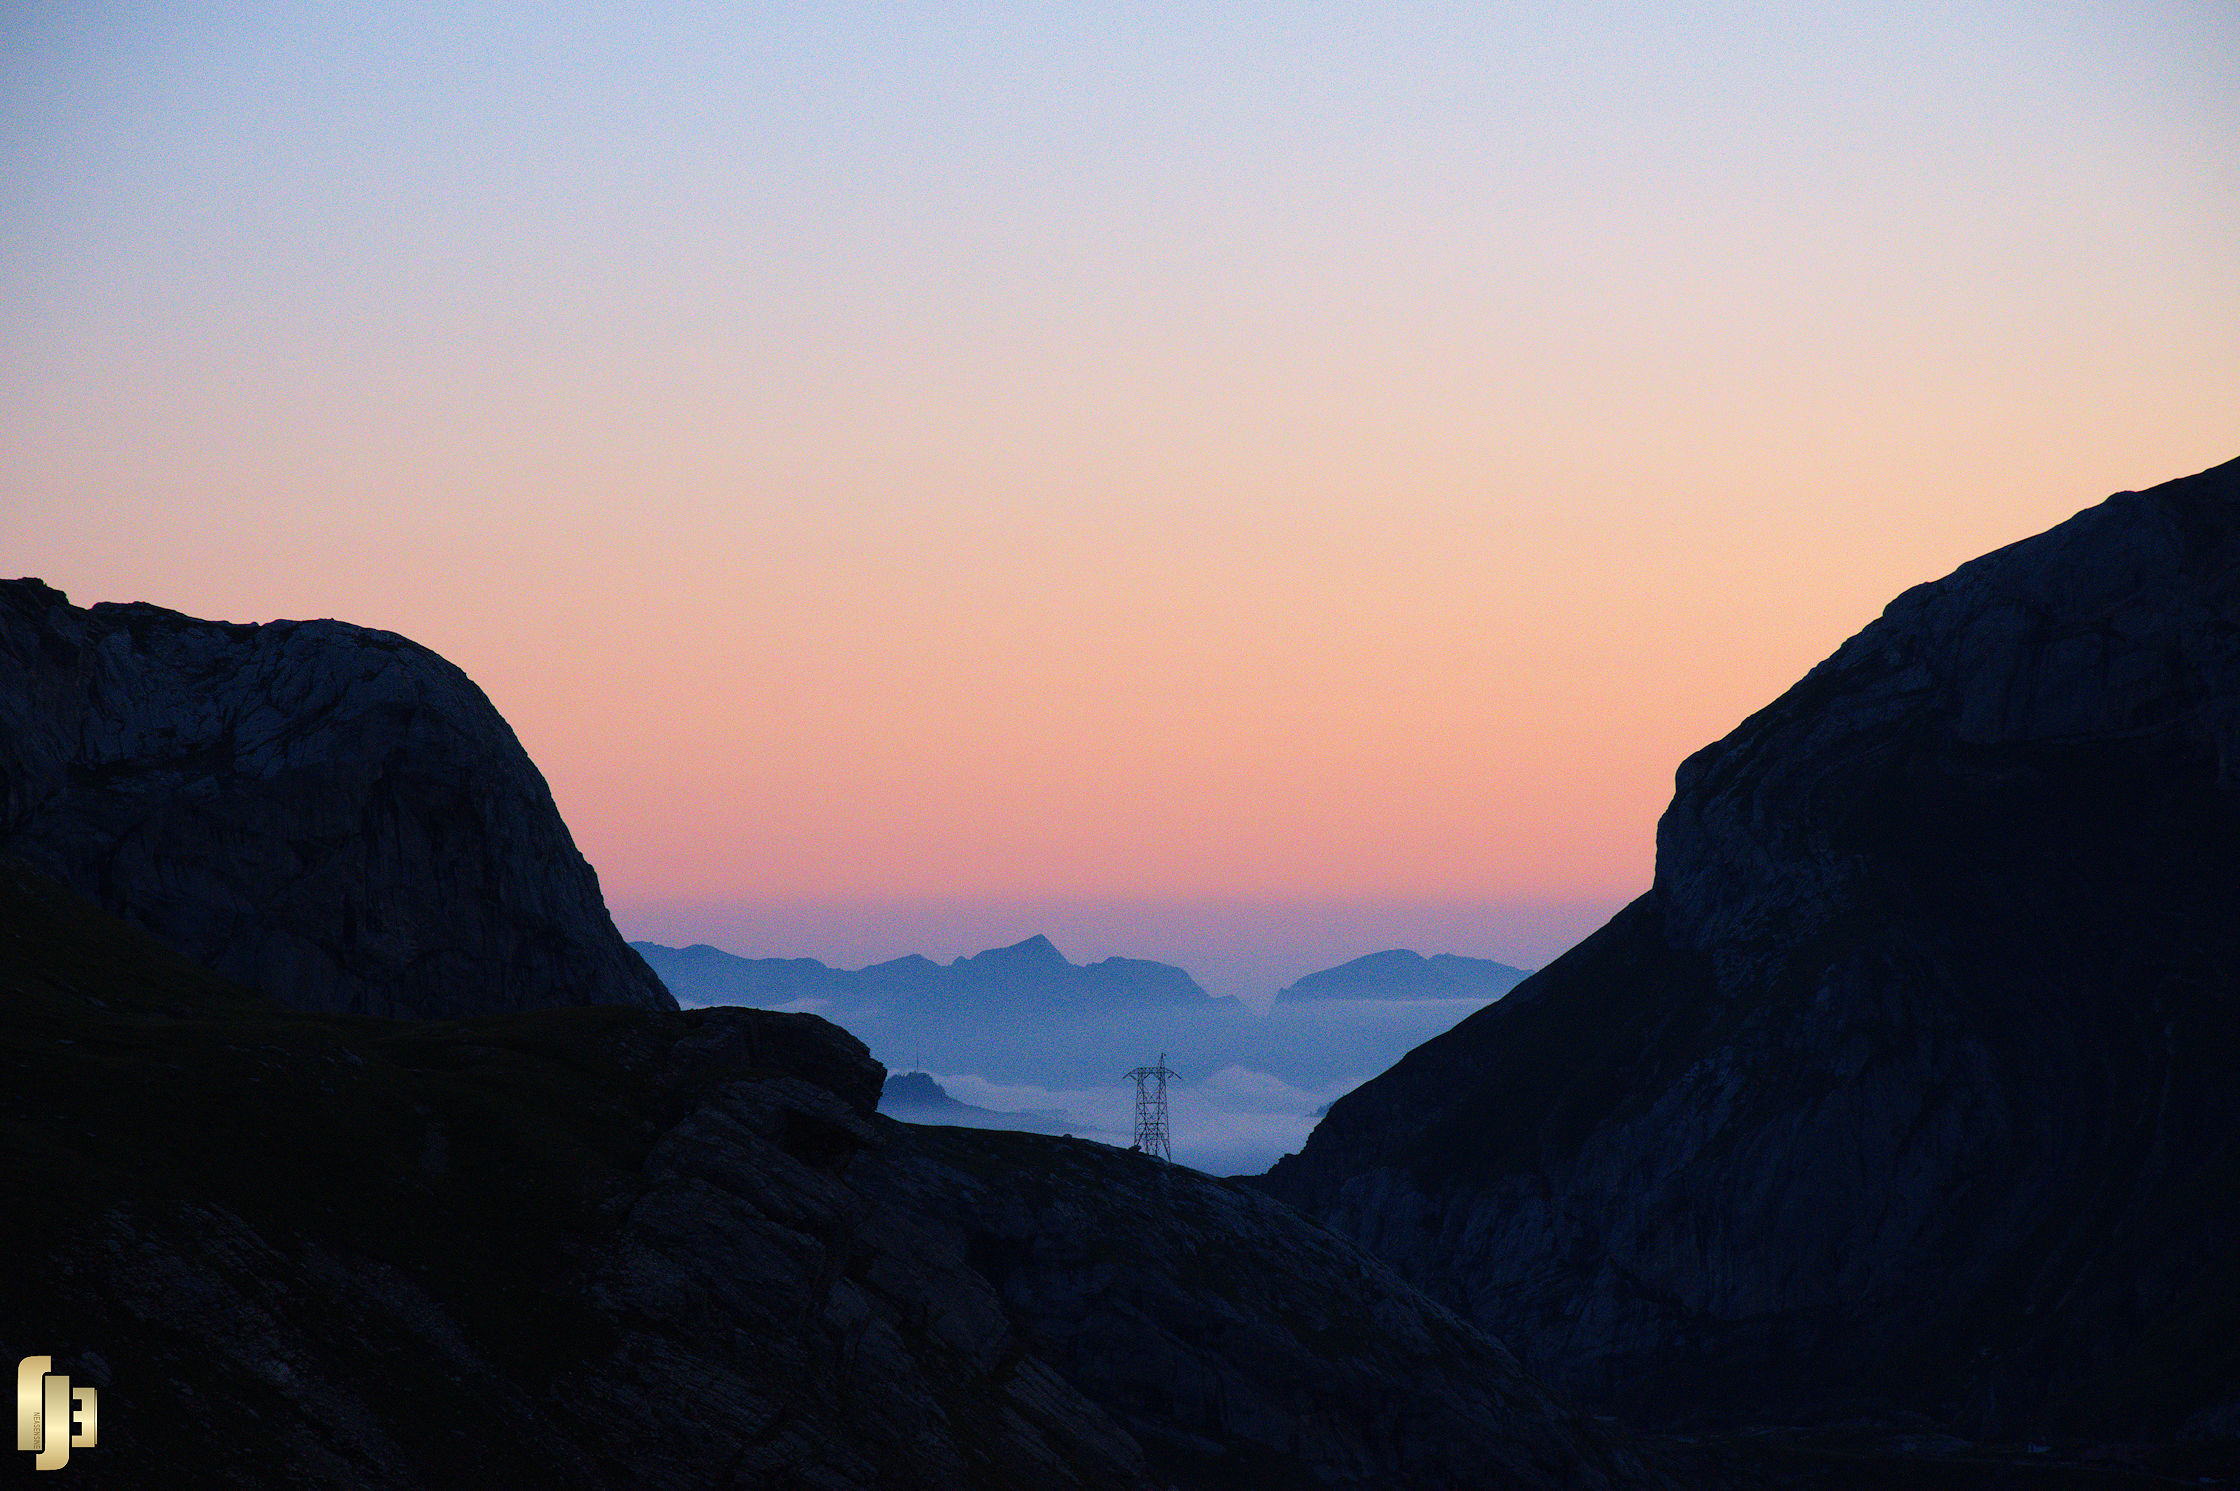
(1240, 1345)
(613, 1247)
(1908, 1089)
(332, 815)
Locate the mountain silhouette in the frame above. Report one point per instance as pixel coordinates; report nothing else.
(1906, 1094)
(1401, 974)
(1027, 975)
(330, 814)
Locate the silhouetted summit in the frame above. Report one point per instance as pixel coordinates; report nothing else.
(1909, 1087)
(1036, 955)
(332, 815)
(1402, 974)
(919, 1090)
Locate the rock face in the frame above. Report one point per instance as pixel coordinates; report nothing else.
(334, 816)
(1909, 1088)
(612, 1247)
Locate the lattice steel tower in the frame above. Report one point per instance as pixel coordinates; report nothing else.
(1151, 1109)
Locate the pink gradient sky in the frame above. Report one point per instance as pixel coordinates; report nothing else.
(908, 473)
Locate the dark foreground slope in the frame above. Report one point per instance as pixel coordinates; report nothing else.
(1242, 1347)
(1910, 1087)
(611, 1247)
(332, 815)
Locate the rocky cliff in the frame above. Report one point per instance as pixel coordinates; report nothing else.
(334, 816)
(611, 1247)
(1907, 1091)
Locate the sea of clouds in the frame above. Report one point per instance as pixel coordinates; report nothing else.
(1250, 1086)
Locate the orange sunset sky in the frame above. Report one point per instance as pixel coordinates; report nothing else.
(1244, 484)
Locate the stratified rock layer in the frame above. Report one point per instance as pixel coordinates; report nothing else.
(334, 816)
(1910, 1085)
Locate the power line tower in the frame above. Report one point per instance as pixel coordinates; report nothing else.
(1151, 1109)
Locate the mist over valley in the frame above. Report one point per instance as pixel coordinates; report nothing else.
(1023, 1029)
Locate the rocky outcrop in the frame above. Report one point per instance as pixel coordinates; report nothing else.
(334, 816)
(914, 1097)
(1908, 1089)
(611, 1247)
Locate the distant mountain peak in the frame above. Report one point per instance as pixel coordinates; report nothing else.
(1401, 973)
(1026, 974)
(1036, 952)
(1398, 957)
(919, 1090)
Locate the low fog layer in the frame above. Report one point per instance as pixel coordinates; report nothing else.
(1236, 1121)
(1250, 1086)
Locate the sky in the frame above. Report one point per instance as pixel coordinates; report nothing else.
(1244, 483)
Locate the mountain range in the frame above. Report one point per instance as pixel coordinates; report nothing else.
(1029, 974)
(1035, 972)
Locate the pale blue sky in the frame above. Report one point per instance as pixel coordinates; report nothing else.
(1094, 453)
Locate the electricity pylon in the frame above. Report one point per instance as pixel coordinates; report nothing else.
(1151, 1109)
